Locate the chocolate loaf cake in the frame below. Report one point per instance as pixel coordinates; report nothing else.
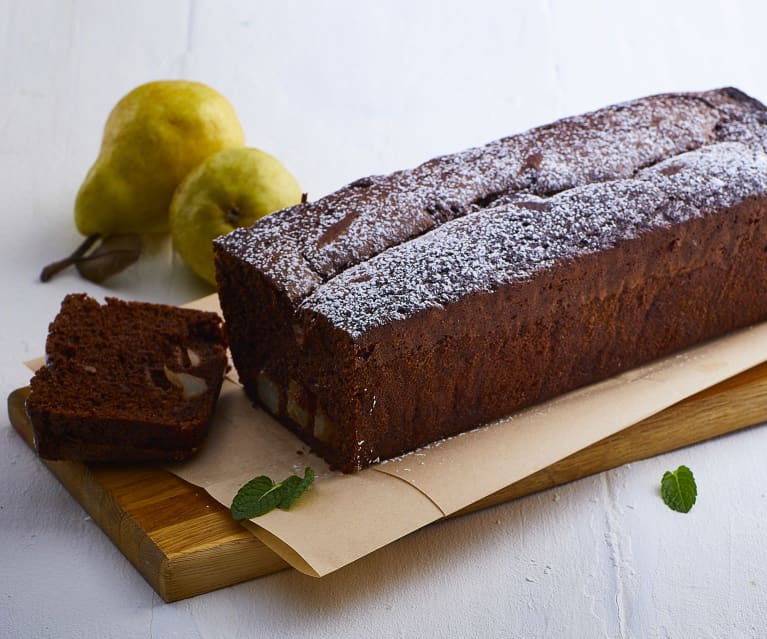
(126, 381)
(406, 308)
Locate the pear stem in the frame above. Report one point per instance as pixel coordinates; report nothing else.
(49, 271)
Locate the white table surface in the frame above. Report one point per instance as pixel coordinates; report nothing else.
(338, 90)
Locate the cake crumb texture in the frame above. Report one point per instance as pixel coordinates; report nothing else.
(126, 381)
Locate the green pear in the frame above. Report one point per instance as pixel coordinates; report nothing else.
(153, 137)
(232, 188)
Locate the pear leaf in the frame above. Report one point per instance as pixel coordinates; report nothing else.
(262, 494)
(678, 489)
(59, 265)
(111, 256)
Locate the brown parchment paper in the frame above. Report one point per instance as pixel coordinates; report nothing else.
(344, 517)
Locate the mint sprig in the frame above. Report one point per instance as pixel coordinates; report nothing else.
(262, 494)
(678, 489)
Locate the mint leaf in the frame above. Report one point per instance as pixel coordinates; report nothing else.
(678, 489)
(255, 498)
(293, 487)
(262, 494)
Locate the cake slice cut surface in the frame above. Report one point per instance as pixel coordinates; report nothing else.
(126, 381)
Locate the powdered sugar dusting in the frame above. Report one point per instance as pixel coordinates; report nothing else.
(714, 177)
(513, 241)
(302, 247)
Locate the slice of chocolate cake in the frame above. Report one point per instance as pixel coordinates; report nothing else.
(126, 381)
(406, 308)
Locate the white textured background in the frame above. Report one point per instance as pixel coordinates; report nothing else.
(338, 90)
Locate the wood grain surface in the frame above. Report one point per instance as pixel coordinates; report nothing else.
(185, 543)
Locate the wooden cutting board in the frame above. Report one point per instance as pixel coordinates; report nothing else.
(185, 543)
